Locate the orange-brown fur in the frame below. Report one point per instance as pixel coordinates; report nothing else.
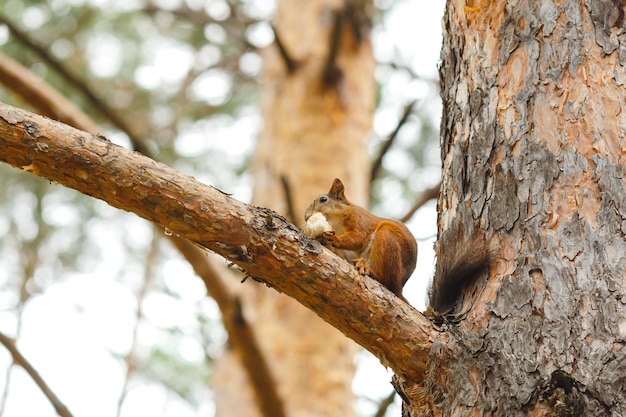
(385, 249)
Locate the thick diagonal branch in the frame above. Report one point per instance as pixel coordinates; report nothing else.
(259, 240)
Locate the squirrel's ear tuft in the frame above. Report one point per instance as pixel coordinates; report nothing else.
(337, 190)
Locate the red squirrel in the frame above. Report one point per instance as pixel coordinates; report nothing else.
(386, 250)
(382, 248)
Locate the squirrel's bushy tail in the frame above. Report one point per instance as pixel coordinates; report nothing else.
(459, 262)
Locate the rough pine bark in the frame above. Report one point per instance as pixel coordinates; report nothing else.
(317, 102)
(533, 155)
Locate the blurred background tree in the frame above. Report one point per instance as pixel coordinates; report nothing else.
(99, 301)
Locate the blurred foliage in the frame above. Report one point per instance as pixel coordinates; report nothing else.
(185, 76)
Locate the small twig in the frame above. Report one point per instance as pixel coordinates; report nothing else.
(291, 214)
(183, 12)
(408, 109)
(20, 360)
(331, 73)
(358, 13)
(290, 63)
(28, 253)
(77, 83)
(154, 376)
(425, 197)
(151, 260)
(384, 404)
(41, 96)
(5, 389)
(234, 24)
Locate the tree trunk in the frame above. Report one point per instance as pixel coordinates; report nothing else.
(317, 102)
(533, 156)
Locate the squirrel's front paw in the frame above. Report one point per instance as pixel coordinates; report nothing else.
(361, 266)
(327, 238)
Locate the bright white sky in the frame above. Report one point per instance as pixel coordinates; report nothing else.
(79, 368)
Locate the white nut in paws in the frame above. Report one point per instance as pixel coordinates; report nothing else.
(316, 225)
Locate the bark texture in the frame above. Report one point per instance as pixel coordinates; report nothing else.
(318, 102)
(533, 153)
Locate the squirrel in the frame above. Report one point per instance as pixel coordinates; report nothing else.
(382, 248)
(386, 250)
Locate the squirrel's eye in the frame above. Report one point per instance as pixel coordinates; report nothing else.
(323, 199)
